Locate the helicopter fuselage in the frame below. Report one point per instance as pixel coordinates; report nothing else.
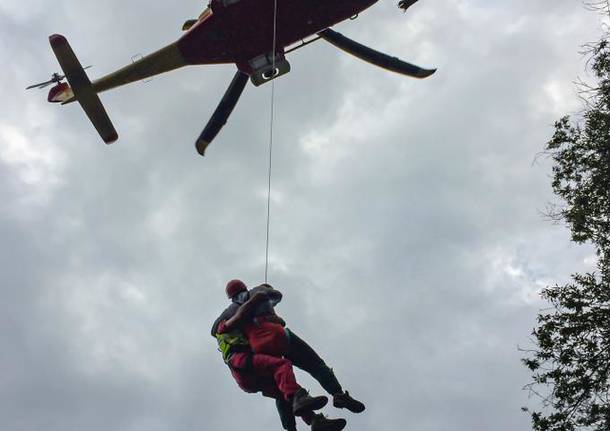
(236, 31)
(60, 92)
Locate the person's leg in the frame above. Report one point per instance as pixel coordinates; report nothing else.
(274, 377)
(280, 370)
(318, 422)
(241, 369)
(304, 357)
(284, 409)
(282, 375)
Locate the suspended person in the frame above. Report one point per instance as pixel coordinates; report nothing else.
(266, 334)
(273, 376)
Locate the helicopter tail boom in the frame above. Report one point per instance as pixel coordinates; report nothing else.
(81, 86)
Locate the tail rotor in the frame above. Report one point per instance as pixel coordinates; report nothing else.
(56, 78)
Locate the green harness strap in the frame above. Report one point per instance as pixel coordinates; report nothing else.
(231, 342)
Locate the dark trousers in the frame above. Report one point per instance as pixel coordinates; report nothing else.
(304, 357)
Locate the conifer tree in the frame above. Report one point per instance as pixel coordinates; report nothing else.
(570, 363)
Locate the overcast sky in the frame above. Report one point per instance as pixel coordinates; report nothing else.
(406, 226)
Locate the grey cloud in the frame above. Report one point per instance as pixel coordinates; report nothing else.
(405, 228)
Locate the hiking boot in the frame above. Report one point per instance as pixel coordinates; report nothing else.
(322, 423)
(345, 401)
(302, 402)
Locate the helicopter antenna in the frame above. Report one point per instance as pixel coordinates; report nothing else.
(271, 121)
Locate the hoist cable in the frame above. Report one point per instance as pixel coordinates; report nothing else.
(271, 121)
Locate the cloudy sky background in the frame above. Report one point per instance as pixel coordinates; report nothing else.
(406, 227)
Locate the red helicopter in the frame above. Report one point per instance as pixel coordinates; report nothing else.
(225, 33)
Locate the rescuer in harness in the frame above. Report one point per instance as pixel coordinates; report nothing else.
(262, 332)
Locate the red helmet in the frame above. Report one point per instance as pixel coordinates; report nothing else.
(234, 287)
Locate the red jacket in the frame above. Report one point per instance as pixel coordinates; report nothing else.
(264, 337)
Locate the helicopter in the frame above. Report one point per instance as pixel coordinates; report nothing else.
(255, 35)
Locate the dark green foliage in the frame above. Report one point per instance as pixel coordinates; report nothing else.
(581, 155)
(571, 362)
(573, 356)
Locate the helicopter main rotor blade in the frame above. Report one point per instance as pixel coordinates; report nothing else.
(41, 85)
(374, 57)
(222, 112)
